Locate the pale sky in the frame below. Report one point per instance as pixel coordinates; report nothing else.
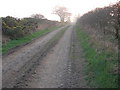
(25, 8)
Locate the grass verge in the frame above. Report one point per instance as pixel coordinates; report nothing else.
(13, 43)
(99, 64)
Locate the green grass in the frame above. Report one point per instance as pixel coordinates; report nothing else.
(13, 43)
(98, 67)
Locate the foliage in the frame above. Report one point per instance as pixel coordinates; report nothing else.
(99, 32)
(98, 68)
(16, 28)
(11, 27)
(13, 43)
(105, 20)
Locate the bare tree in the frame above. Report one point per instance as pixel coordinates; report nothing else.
(62, 12)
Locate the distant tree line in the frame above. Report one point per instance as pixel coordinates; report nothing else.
(106, 20)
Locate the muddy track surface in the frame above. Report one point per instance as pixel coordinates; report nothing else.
(19, 63)
(60, 66)
(75, 72)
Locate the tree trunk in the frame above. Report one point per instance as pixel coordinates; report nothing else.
(62, 19)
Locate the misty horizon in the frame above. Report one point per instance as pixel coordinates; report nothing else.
(23, 9)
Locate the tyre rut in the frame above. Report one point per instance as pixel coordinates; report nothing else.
(13, 76)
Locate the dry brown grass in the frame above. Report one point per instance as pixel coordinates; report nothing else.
(99, 40)
(105, 44)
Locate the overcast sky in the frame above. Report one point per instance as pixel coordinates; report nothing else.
(25, 8)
